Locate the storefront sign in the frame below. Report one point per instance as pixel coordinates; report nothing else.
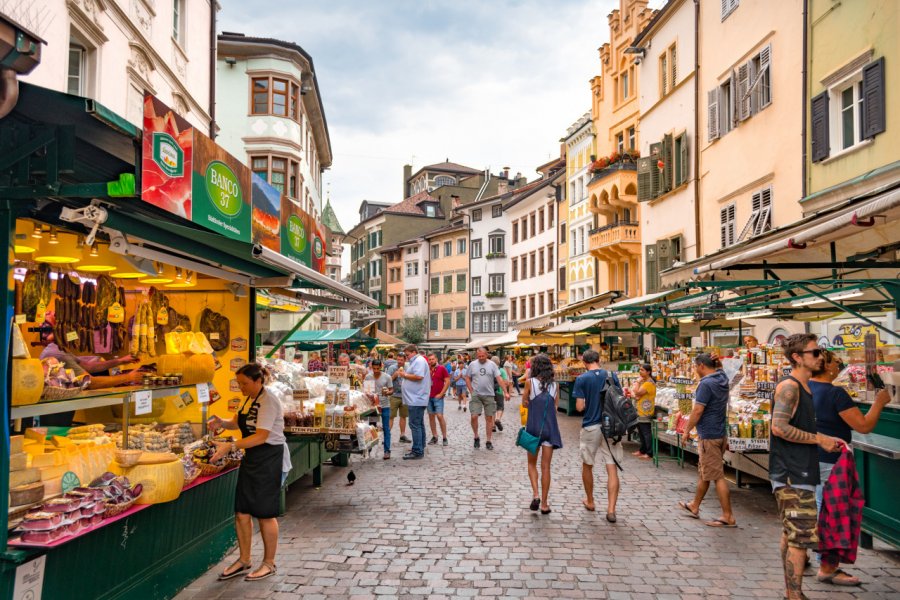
(30, 579)
(318, 247)
(220, 190)
(239, 344)
(295, 232)
(853, 335)
(765, 390)
(266, 213)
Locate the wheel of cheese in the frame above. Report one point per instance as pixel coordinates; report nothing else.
(162, 482)
(27, 381)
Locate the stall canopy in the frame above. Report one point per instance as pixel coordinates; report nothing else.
(322, 338)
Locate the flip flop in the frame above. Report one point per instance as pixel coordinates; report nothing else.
(687, 507)
(586, 507)
(224, 576)
(535, 504)
(832, 579)
(272, 571)
(721, 523)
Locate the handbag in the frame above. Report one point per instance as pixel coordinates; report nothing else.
(530, 442)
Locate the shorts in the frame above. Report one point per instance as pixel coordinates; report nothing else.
(712, 464)
(435, 406)
(592, 440)
(461, 389)
(798, 516)
(397, 406)
(487, 404)
(500, 400)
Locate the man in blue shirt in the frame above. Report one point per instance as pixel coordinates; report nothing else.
(416, 387)
(710, 415)
(588, 398)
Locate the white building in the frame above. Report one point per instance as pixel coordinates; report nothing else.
(115, 50)
(415, 278)
(667, 136)
(532, 263)
(280, 129)
(334, 318)
(581, 277)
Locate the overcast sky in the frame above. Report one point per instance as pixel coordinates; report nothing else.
(485, 83)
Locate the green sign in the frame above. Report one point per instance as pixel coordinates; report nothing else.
(296, 234)
(317, 247)
(167, 154)
(224, 189)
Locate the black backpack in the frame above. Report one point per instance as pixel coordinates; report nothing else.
(618, 415)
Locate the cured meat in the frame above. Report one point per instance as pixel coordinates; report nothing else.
(216, 327)
(106, 296)
(36, 289)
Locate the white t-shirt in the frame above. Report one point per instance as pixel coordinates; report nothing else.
(269, 415)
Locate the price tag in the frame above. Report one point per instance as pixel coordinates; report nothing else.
(115, 313)
(20, 319)
(162, 316)
(41, 313)
(213, 336)
(203, 393)
(72, 336)
(143, 402)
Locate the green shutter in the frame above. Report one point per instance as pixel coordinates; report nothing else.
(435, 285)
(643, 178)
(655, 174)
(685, 156)
(650, 260)
(461, 282)
(668, 156)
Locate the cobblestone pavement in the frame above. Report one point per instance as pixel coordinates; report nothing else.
(457, 524)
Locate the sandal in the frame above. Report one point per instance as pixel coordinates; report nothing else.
(272, 571)
(687, 507)
(588, 507)
(225, 575)
(611, 517)
(535, 504)
(848, 580)
(721, 523)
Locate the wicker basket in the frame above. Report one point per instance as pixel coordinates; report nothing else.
(231, 463)
(113, 510)
(52, 394)
(208, 469)
(128, 458)
(191, 479)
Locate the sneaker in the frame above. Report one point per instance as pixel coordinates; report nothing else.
(411, 456)
(477, 443)
(494, 429)
(432, 441)
(446, 442)
(489, 446)
(499, 426)
(405, 439)
(387, 456)
(464, 409)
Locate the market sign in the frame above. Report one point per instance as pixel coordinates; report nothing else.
(266, 201)
(295, 232)
(221, 190)
(853, 335)
(167, 154)
(318, 247)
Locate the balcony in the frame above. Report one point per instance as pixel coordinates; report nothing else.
(492, 255)
(617, 241)
(495, 295)
(613, 188)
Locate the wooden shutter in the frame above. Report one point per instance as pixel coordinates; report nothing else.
(726, 225)
(643, 178)
(663, 254)
(743, 91)
(874, 118)
(655, 175)
(765, 62)
(763, 222)
(652, 268)
(712, 119)
(668, 157)
(819, 127)
(684, 159)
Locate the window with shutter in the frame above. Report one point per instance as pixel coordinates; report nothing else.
(712, 119)
(663, 75)
(683, 157)
(663, 254)
(874, 118)
(650, 261)
(655, 173)
(643, 179)
(673, 66)
(764, 222)
(668, 157)
(750, 227)
(743, 79)
(764, 80)
(726, 225)
(819, 127)
(728, 7)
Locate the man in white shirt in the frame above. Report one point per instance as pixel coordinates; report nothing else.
(415, 389)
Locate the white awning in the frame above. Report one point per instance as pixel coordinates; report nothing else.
(570, 327)
(636, 301)
(507, 339)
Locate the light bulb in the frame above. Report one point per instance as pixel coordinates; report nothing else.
(38, 232)
(179, 274)
(94, 253)
(54, 237)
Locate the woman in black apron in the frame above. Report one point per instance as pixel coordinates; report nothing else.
(261, 422)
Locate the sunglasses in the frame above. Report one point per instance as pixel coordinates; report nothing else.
(816, 352)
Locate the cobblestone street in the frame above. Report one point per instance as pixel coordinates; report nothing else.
(457, 524)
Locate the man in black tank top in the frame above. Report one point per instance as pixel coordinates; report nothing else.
(794, 458)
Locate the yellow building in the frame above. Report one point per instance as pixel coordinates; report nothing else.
(612, 188)
(394, 287)
(579, 279)
(448, 277)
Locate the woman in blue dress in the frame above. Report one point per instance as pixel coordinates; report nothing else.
(541, 397)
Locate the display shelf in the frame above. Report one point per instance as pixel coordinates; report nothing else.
(91, 399)
(18, 543)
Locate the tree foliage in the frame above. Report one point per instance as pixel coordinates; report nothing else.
(412, 329)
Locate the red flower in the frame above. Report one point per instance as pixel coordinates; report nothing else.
(661, 165)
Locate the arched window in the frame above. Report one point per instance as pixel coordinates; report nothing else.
(444, 180)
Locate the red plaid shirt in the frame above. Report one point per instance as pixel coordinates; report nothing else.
(840, 519)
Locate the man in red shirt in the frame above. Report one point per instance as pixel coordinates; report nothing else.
(440, 381)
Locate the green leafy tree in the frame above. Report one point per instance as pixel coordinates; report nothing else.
(412, 329)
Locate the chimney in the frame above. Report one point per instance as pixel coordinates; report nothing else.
(505, 173)
(454, 199)
(502, 185)
(407, 173)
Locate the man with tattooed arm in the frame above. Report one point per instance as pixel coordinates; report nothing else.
(793, 458)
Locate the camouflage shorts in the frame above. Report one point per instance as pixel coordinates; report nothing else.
(798, 516)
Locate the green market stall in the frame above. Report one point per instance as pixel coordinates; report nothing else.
(71, 165)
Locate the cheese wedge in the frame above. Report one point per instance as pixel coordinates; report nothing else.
(16, 444)
(60, 441)
(18, 461)
(38, 434)
(50, 459)
(52, 487)
(48, 473)
(35, 449)
(23, 477)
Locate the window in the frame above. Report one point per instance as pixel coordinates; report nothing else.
(476, 214)
(435, 251)
(461, 282)
(760, 215)
(444, 180)
(461, 246)
(532, 227)
(515, 269)
(277, 96)
(476, 248)
(632, 139)
(624, 79)
(522, 313)
(476, 286)
(412, 268)
(540, 300)
(178, 28)
(77, 70)
(448, 284)
(532, 259)
(460, 320)
(541, 261)
(681, 160)
(495, 283)
(851, 100)
(728, 7)
(446, 320)
(496, 211)
(563, 230)
(497, 245)
(620, 142)
(667, 71)
(550, 305)
(435, 285)
(551, 212)
(625, 283)
(512, 309)
(550, 266)
(412, 297)
(280, 172)
(562, 278)
(523, 274)
(524, 228)
(476, 323)
(430, 210)
(515, 232)
(726, 225)
(448, 249)
(433, 322)
(531, 307)
(541, 220)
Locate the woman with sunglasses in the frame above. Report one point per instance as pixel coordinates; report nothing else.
(837, 415)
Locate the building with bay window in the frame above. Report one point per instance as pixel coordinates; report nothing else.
(578, 276)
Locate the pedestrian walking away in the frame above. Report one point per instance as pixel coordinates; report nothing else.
(794, 459)
(512, 374)
(710, 417)
(415, 388)
(644, 391)
(399, 410)
(837, 415)
(440, 383)
(541, 396)
(482, 378)
(258, 493)
(588, 392)
(383, 387)
(501, 392)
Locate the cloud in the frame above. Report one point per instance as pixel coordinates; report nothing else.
(485, 84)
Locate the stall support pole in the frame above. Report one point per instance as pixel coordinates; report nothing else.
(287, 336)
(7, 239)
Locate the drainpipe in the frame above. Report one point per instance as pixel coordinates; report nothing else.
(803, 96)
(697, 245)
(213, 5)
(9, 91)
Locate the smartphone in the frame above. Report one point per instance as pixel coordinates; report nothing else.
(875, 380)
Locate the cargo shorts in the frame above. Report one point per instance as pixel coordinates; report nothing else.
(485, 404)
(397, 407)
(798, 516)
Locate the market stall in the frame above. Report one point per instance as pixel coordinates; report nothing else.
(122, 338)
